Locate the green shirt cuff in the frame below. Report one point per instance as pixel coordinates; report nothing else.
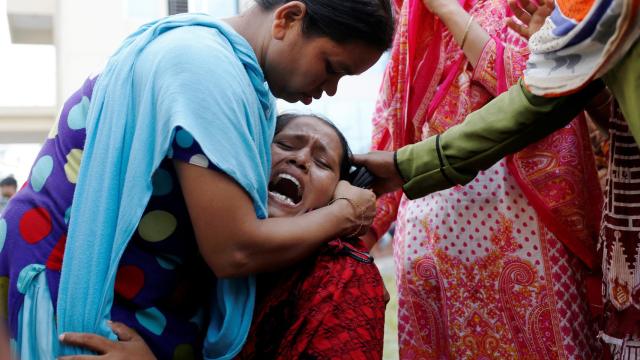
(426, 175)
(505, 125)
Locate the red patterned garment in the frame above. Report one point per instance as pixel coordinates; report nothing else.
(486, 270)
(329, 307)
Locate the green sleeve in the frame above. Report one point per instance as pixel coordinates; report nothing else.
(505, 125)
(624, 82)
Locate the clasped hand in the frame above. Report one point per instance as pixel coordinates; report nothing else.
(363, 207)
(382, 165)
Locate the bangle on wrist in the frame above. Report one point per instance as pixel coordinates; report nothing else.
(466, 32)
(355, 233)
(347, 200)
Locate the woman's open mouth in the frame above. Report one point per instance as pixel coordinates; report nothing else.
(286, 189)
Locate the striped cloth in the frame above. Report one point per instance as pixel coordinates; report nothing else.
(579, 42)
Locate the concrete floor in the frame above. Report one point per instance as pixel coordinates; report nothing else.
(385, 264)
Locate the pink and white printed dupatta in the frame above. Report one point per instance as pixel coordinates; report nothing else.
(557, 174)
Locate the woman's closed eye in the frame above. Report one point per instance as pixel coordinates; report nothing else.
(284, 145)
(323, 164)
(330, 69)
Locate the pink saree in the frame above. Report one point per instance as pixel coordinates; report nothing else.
(468, 257)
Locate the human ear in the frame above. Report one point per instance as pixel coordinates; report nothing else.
(287, 17)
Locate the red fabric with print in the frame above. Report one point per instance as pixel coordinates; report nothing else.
(329, 307)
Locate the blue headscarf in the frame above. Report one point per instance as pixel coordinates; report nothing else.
(187, 71)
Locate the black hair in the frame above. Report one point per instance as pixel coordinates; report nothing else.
(345, 162)
(9, 181)
(343, 21)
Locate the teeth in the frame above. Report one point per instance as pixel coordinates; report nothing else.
(287, 176)
(284, 199)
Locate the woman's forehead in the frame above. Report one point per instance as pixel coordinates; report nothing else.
(312, 127)
(349, 58)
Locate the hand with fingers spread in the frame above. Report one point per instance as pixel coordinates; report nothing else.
(362, 207)
(129, 345)
(530, 15)
(382, 165)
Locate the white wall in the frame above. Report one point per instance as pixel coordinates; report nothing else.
(217, 8)
(16, 160)
(88, 31)
(31, 7)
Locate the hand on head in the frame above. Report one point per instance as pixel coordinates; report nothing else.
(363, 207)
(382, 165)
(530, 15)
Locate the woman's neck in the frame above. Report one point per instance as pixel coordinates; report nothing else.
(254, 25)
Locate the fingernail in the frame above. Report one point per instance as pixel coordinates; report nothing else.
(109, 322)
(61, 337)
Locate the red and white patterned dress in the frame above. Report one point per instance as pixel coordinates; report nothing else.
(479, 273)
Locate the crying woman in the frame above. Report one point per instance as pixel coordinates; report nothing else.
(331, 305)
(328, 306)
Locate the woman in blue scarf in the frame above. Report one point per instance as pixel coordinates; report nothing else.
(306, 310)
(115, 222)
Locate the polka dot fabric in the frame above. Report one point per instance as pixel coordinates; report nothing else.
(475, 265)
(162, 284)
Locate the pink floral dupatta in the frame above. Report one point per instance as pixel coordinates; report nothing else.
(557, 174)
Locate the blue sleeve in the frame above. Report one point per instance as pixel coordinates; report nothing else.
(200, 85)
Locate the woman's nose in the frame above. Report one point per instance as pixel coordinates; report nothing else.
(331, 86)
(300, 160)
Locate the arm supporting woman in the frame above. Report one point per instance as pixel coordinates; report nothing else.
(505, 125)
(243, 244)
